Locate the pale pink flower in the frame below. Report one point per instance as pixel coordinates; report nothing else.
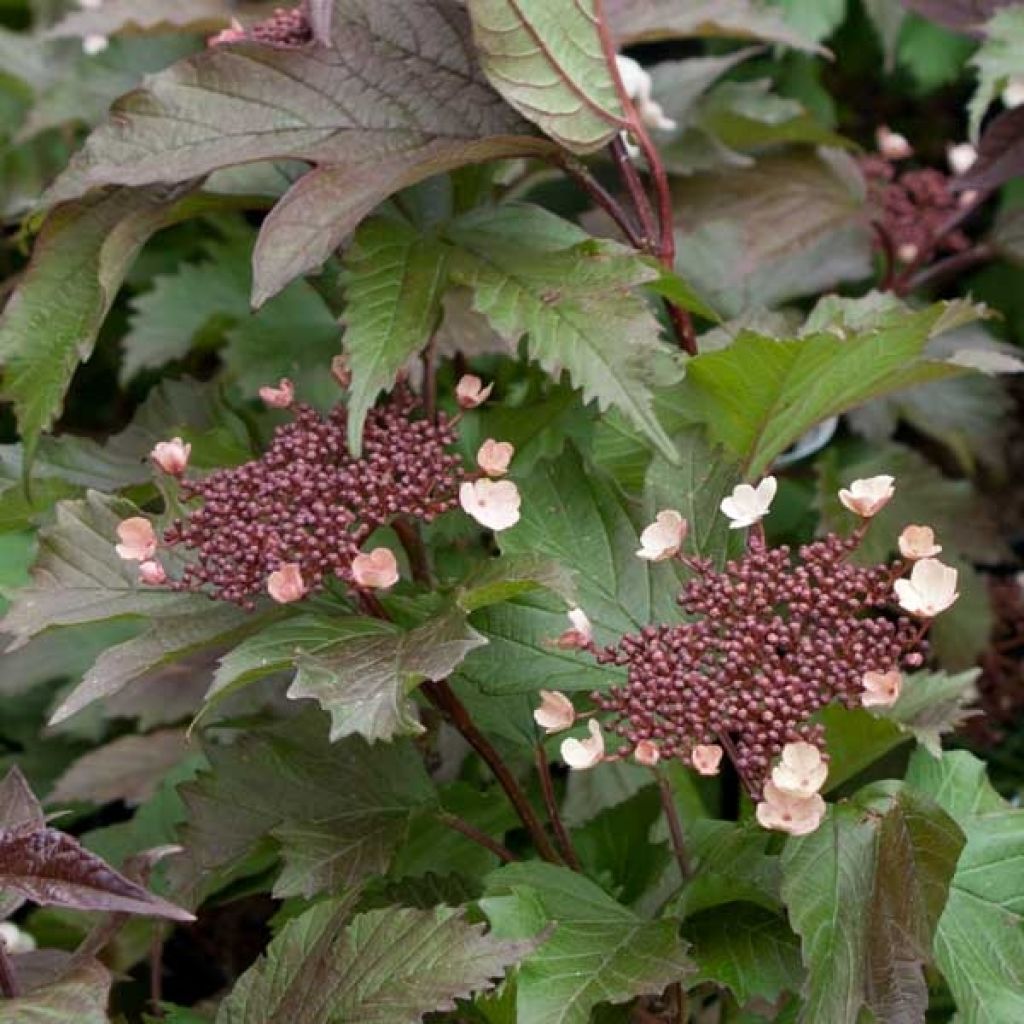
(492, 503)
(377, 569)
(138, 539)
(918, 542)
(580, 633)
(881, 689)
(907, 252)
(556, 713)
(748, 505)
(664, 537)
(647, 753)
(280, 397)
(961, 157)
(234, 34)
(470, 391)
(706, 758)
(892, 145)
(340, 371)
(869, 496)
(152, 573)
(171, 456)
(494, 457)
(801, 771)
(582, 754)
(15, 939)
(286, 584)
(784, 812)
(931, 588)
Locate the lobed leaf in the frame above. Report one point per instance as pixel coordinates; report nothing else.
(130, 16)
(997, 60)
(80, 995)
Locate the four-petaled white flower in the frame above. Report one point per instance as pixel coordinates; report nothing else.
(494, 457)
(706, 758)
(647, 753)
(930, 590)
(881, 689)
(280, 397)
(556, 713)
(171, 456)
(286, 584)
(582, 754)
(640, 88)
(152, 573)
(918, 542)
(138, 539)
(892, 145)
(801, 770)
(492, 503)
(580, 633)
(377, 569)
(748, 505)
(784, 812)
(961, 157)
(664, 537)
(470, 391)
(867, 497)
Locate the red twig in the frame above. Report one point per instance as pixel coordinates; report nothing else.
(458, 824)
(551, 803)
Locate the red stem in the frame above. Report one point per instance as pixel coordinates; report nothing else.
(9, 987)
(551, 803)
(458, 824)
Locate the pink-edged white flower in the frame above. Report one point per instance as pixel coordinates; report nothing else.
(639, 88)
(556, 713)
(280, 397)
(917, 542)
(881, 689)
(286, 584)
(748, 505)
(664, 537)
(580, 633)
(341, 371)
(492, 503)
(892, 145)
(152, 573)
(961, 157)
(867, 497)
(784, 812)
(930, 590)
(647, 753)
(801, 771)
(138, 539)
(583, 754)
(377, 569)
(907, 252)
(171, 456)
(706, 758)
(470, 391)
(16, 940)
(234, 34)
(494, 457)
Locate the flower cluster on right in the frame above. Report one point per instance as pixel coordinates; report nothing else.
(768, 640)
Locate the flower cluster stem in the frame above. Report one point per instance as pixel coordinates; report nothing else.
(675, 825)
(551, 803)
(457, 824)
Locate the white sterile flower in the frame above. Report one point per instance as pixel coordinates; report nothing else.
(918, 542)
(286, 584)
(647, 753)
(152, 573)
(801, 770)
(783, 812)
(908, 252)
(664, 537)
(582, 754)
(892, 145)
(280, 397)
(639, 88)
(931, 588)
(867, 497)
(494, 457)
(706, 758)
(94, 43)
(171, 456)
(377, 569)
(492, 503)
(138, 539)
(580, 632)
(15, 939)
(1013, 93)
(556, 713)
(748, 505)
(470, 391)
(961, 157)
(881, 689)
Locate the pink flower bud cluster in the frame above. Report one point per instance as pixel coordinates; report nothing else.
(770, 640)
(304, 509)
(285, 28)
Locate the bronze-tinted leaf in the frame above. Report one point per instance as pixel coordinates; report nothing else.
(19, 807)
(1000, 153)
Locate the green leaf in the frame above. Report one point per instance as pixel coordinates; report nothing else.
(395, 278)
(131, 16)
(501, 579)
(759, 395)
(865, 892)
(389, 966)
(53, 317)
(814, 19)
(599, 952)
(532, 273)
(933, 704)
(985, 899)
(395, 99)
(80, 995)
(746, 948)
(999, 58)
(547, 59)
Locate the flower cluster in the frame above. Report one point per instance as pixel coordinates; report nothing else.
(768, 640)
(286, 29)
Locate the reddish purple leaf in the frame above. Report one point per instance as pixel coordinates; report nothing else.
(320, 14)
(51, 868)
(961, 15)
(1000, 153)
(18, 806)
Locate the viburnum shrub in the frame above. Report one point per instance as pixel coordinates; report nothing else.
(510, 512)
